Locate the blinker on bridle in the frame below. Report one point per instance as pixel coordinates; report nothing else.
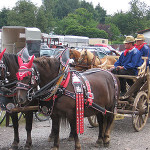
(33, 81)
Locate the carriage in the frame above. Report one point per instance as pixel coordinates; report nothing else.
(135, 102)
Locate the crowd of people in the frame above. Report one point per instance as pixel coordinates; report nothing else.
(131, 59)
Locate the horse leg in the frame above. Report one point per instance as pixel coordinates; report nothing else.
(100, 120)
(71, 137)
(72, 122)
(51, 136)
(56, 126)
(29, 119)
(14, 117)
(109, 121)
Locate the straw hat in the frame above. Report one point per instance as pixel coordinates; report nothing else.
(140, 37)
(129, 39)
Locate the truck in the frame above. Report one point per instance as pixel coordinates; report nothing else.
(65, 40)
(15, 38)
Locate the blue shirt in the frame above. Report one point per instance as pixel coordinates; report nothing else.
(145, 52)
(132, 60)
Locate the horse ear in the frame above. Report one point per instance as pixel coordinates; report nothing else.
(30, 62)
(2, 53)
(20, 61)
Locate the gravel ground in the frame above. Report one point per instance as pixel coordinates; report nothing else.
(123, 137)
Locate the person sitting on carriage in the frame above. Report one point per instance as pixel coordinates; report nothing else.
(127, 63)
(142, 47)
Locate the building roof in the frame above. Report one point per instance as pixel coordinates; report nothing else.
(143, 31)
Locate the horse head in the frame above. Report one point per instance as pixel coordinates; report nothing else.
(75, 55)
(83, 57)
(25, 76)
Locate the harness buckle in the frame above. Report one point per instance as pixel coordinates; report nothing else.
(30, 95)
(90, 95)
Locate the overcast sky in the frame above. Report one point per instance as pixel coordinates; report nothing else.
(111, 6)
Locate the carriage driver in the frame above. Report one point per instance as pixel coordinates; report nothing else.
(127, 63)
(142, 47)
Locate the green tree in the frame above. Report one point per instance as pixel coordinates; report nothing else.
(137, 14)
(88, 6)
(86, 31)
(84, 17)
(81, 17)
(64, 7)
(100, 14)
(49, 11)
(114, 32)
(121, 20)
(3, 17)
(23, 14)
(42, 20)
(111, 29)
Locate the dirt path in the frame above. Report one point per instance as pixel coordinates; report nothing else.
(123, 137)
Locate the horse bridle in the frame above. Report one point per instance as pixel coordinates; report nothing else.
(83, 58)
(33, 83)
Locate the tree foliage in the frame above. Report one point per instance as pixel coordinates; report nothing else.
(4, 17)
(77, 17)
(23, 14)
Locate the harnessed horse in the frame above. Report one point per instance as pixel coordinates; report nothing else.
(75, 55)
(99, 95)
(8, 69)
(9, 66)
(89, 60)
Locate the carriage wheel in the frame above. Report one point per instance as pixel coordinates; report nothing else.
(141, 103)
(93, 121)
(41, 117)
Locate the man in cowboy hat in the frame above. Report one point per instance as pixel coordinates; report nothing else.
(128, 62)
(142, 47)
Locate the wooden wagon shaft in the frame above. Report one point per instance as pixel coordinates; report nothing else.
(22, 109)
(140, 112)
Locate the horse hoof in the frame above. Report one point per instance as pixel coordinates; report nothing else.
(27, 147)
(79, 148)
(106, 144)
(99, 142)
(14, 147)
(54, 148)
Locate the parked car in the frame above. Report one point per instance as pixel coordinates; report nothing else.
(47, 52)
(109, 50)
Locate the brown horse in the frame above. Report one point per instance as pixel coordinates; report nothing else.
(75, 55)
(9, 64)
(102, 86)
(88, 59)
(8, 68)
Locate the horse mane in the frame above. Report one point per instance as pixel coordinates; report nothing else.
(11, 60)
(46, 62)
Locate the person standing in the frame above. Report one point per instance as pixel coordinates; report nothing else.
(128, 62)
